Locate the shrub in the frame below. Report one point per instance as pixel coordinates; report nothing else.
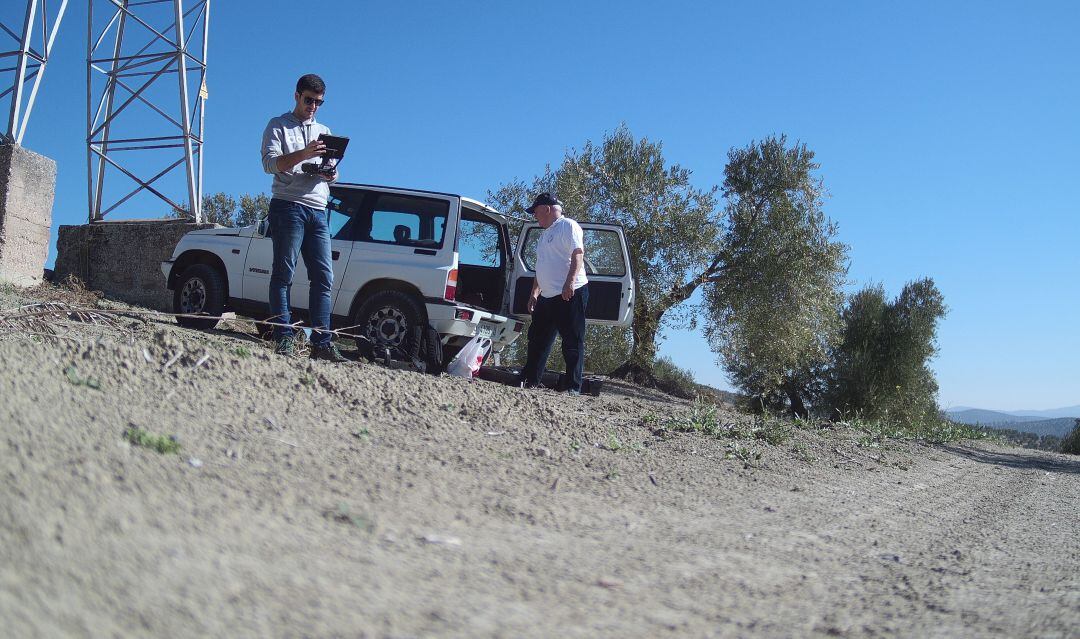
(674, 380)
(1071, 443)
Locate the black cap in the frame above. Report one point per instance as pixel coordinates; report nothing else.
(544, 199)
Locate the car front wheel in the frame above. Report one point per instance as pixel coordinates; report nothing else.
(392, 318)
(200, 290)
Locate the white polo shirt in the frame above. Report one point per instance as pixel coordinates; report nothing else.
(553, 251)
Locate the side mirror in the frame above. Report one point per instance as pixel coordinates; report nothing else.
(263, 226)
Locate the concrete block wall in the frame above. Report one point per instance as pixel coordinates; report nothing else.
(122, 259)
(27, 189)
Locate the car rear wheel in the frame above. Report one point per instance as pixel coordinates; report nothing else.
(200, 290)
(392, 318)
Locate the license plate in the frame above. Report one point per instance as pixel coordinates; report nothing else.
(485, 329)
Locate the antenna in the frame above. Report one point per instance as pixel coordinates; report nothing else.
(33, 39)
(145, 95)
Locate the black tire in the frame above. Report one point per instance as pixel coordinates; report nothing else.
(200, 289)
(392, 318)
(432, 351)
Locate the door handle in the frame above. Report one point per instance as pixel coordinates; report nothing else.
(335, 254)
(236, 251)
(425, 251)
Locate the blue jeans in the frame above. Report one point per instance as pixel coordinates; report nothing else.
(551, 315)
(298, 229)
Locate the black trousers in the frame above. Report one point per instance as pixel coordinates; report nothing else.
(551, 315)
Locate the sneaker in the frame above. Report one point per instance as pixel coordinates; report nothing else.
(284, 346)
(329, 353)
(573, 393)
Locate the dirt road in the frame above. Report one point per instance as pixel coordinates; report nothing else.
(355, 501)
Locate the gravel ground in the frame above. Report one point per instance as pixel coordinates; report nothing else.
(320, 500)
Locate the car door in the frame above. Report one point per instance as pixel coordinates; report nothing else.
(607, 265)
(260, 262)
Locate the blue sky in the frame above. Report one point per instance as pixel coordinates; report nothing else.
(947, 132)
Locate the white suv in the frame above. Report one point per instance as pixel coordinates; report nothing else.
(403, 259)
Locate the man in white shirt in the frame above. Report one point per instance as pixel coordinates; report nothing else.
(559, 296)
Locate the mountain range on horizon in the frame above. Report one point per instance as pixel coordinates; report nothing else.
(1053, 413)
(1050, 422)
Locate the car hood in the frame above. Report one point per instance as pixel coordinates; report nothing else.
(220, 230)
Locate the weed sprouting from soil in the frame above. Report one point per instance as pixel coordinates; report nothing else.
(73, 376)
(160, 443)
(242, 351)
(345, 516)
(704, 417)
(872, 434)
(613, 443)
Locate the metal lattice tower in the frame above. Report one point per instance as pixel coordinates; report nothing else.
(145, 95)
(33, 39)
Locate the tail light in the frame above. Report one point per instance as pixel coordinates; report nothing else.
(463, 314)
(451, 285)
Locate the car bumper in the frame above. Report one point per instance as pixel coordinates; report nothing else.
(458, 323)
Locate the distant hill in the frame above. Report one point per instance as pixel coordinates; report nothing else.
(979, 416)
(1058, 427)
(1068, 411)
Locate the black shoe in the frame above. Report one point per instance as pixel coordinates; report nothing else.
(329, 353)
(284, 346)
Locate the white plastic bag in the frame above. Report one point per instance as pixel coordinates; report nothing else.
(468, 360)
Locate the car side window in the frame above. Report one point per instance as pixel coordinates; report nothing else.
(603, 252)
(345, 208)
(408, 220)
(338, 220)
(480, 243)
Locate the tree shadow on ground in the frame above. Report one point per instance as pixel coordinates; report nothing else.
(1056, 464)
(627, 389)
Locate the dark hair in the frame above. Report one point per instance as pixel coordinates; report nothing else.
(310, 82)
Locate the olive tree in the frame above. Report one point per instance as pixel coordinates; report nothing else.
(223, 209)
(880, 369)
(772, 305)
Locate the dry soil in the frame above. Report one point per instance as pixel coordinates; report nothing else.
(320, 500)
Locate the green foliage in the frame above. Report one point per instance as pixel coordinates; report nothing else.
(1071, 442)
(880, 370)
(934, 430)
(704, 417)
(73, 376)
(1022, 438)
(674, 380)
(773, 309)
(225, 210)
(160, 443)
(344, 515)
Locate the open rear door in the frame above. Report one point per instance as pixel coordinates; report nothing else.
(607, 265)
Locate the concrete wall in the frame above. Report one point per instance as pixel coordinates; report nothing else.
(27, 187)
(122, 259)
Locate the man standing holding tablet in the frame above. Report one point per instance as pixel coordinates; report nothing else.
(299, 221)
(559, 295)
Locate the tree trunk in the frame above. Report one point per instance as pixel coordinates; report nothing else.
(639, 368)
(798, 408)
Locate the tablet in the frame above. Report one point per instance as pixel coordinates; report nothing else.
(335, 146)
